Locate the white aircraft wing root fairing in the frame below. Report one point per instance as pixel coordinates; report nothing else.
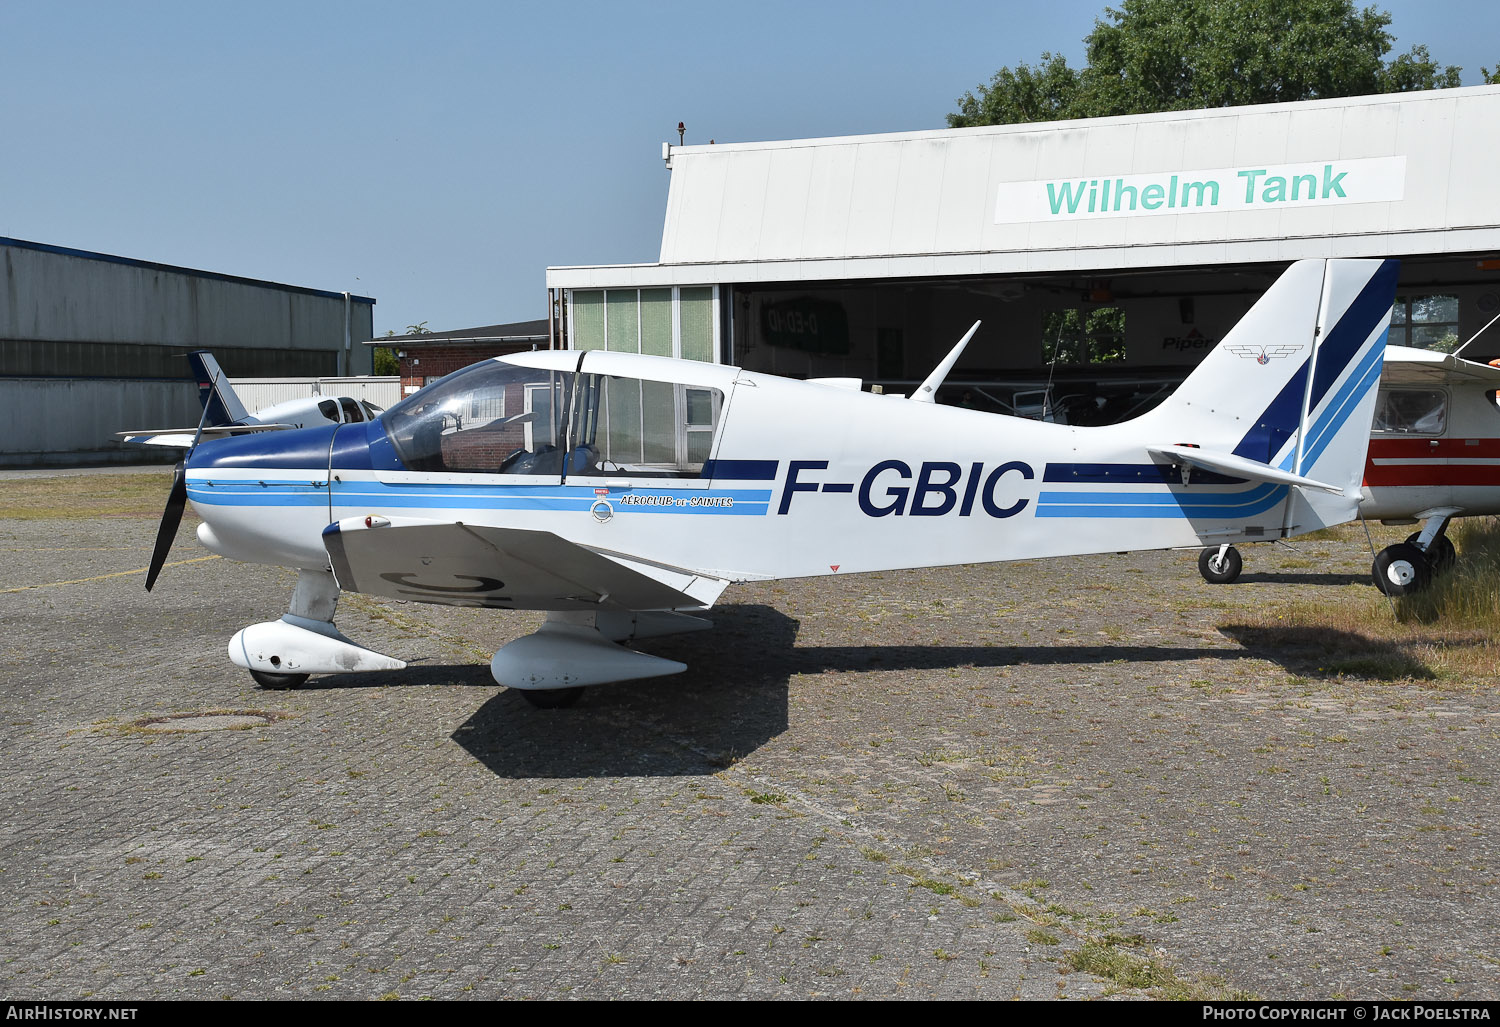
(622, 493)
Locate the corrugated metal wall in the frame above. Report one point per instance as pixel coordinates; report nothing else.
(91, 344)
(49, 295)
(60, 421)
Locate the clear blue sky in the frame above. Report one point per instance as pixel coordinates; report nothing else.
(439, 157)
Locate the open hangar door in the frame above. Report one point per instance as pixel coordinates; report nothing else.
(1079, 348)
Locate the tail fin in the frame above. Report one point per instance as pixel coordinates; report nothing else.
(1298, 368)
(215, 392)
(1287, 397)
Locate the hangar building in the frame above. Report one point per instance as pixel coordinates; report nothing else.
(1105, 256)
(91, 344)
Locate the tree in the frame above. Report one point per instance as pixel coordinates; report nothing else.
(385, 357)
(1162, 55)
(385, 361)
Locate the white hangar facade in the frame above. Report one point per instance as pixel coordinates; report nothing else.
(1106, 255)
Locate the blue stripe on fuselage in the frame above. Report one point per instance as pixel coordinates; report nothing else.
(438, 496)
(1208, 506)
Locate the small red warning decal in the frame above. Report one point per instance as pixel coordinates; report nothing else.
(833, 566)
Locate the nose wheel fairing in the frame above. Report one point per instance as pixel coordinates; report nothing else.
(281, 653)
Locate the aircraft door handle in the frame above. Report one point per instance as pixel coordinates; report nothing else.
(616, 484)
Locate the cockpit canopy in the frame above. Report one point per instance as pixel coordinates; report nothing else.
(500, 418)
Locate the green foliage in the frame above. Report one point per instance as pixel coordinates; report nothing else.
(1076, 336)
(416, 329)
(385, 361)
(1042, 93)
(1162, 55)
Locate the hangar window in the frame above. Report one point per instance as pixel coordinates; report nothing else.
(666, 322)
(1425, 322)
(1410, 412)
(1084, 335)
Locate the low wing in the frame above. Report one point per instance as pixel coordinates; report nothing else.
(508, 568)
(1237, 466)
(182, 438)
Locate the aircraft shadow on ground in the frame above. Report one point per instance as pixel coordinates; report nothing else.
(727, 704)
(1323, 652)
(1305, 578)
(732, 699)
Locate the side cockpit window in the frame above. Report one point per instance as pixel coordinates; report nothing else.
(639, 428)
(1411, 412)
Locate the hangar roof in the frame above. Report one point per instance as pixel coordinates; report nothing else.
(516, 331)
(148, 265)
(1403, 173)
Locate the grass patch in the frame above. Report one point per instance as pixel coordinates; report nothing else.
(85, 496)
(1442, 637)
(1110, 959)
(1468, 595)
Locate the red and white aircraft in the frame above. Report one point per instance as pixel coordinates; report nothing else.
(1434, 455)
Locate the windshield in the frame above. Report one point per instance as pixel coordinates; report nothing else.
(487, 418)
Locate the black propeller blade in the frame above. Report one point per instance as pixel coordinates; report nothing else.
(171, 517)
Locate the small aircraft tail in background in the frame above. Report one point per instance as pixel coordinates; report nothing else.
(215, 393)
(225, 414)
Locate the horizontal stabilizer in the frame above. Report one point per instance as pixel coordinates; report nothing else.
(1237, 467)
(182, 438)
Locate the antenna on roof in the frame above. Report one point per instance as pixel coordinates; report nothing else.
(1476, 335)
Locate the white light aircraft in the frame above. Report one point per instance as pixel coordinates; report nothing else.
(623, 493)
(1434, 455)
(225, 414)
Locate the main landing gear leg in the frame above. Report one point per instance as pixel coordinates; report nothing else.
(282, 653)
(1221, 565)
(1409, 566)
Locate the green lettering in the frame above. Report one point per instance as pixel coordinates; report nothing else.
(1153, 196)
(1202, 189)
(1312, 186)
(1275, 190)
(1331, 185)
(1068, 195)
(1250, 177)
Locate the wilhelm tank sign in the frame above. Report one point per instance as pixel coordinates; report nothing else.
(1206, 191)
